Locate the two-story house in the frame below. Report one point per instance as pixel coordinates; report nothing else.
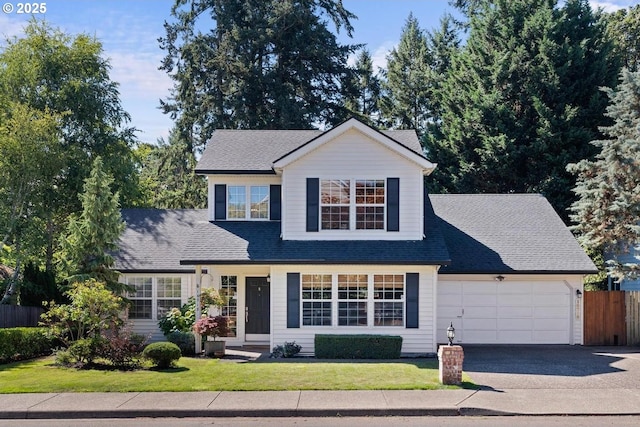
(333, 232)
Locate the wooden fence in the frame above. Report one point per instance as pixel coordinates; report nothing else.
(612, 318)
(632, 301)
(12, 316)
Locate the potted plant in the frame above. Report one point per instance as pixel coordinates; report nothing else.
(213, 327)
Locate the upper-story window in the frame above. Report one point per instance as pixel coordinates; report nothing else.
(248, 202)
(352, 204)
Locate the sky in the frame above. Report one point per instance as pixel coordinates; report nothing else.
(129, 30)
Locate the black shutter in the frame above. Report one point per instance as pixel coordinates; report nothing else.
(393, 204)
(220, 197)
(313, 203)
(413, 280)
(275, 202)
(293, 300)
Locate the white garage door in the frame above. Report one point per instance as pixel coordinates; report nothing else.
(505, 312)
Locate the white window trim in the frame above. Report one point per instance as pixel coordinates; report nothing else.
(353, 205)
(370, 301)
(154, 293)
(247, 202)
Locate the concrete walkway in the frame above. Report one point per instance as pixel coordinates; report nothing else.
(320, 403)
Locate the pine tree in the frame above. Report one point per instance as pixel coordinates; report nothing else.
(265, 64)
(522, 101)
(364, 101)
(607, 212)
(406, 88)
(94, 232)
(168, 176)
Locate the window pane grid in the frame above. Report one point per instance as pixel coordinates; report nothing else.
(352, 313)
(335, 198)
(260, 202)
(229, 289)
(236, 202)
(369, 204)
(388, 293)
(140, 309)
(352, 286)
(169, 287)
(316, 299)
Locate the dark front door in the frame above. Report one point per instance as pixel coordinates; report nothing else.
(257, 309)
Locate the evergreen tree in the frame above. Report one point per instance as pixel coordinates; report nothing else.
(364, 101)
(94, 233)
(265, 64)
(623, 27)
(521, 100)
(607, 212)
(168, 176)
(406, 88)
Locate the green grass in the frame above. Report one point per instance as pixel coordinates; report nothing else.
(195, 374)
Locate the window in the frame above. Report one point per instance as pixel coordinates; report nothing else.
(316, 299)
(141, 297)
(370, 204)
(154, 297)
(229, 289)
(169, 292)
(340, 199)
(335, 199)
(388, 296)
(352, 299)
(236, 202)
(251, 204)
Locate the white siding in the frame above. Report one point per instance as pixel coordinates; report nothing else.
(419, 340)
(245, 180)
(352, 156)
(519, 310)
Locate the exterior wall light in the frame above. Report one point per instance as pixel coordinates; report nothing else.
(451, 333)
(499, 278)
(578, 293)
(268, 278)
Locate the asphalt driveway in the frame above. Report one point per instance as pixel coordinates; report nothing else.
(552, 367)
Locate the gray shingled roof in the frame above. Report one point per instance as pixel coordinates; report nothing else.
(154, 239)
(506, 233)
(472, 233)
(245, 242)
(237, 151)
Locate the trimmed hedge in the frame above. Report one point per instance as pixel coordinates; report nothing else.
(358, 346)
(163, 354)
(24, 343)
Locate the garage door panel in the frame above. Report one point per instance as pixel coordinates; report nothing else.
(480, 312)
(550, 324)
(557, 300)
(550, 312)
(550, 337)
(480, 336)
(513, 312)
(515, 324)
(524, 336)
(515, 300)
(507, 312)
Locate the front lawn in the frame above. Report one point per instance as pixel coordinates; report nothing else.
(196, 374)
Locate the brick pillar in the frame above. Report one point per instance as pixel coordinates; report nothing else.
(450, 363)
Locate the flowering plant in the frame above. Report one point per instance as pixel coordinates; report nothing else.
(212, 327)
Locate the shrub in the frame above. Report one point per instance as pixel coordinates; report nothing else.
(182, 319)
(185, 340)
(358, 346)
(82, 352)
(212, 327)
(123, 349)
(162, 354)
(289, 349)
(24, 343)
